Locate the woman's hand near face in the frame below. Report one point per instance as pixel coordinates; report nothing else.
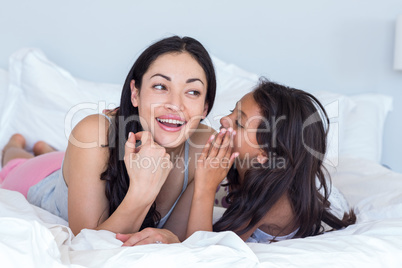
(148, 166)
(215, 161)
(212, 167)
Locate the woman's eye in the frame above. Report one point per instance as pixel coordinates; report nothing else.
(238, 124)
(194, 92)
(159, 87)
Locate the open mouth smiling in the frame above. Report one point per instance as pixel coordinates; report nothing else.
(170, 124)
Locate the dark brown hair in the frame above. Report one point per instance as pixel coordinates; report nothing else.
(300, 140)
(127, 118)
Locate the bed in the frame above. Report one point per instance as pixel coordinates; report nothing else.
(42, 100)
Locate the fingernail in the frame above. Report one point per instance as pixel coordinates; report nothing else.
(230, 129)
(223, 130)
(130, 134)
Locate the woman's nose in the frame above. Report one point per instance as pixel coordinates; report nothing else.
(226, 122)
(174, 103)
(172, 107)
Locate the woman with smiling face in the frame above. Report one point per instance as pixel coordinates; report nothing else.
(113, 182)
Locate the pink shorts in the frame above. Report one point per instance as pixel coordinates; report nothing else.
(20, 174)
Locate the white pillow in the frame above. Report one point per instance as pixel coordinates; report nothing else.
(45, 101)
(357, 124)
(362, 136)
(337, 107)
(3, 87)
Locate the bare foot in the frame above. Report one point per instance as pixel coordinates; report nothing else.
(16, 140)
(42, 147)
(15, 143)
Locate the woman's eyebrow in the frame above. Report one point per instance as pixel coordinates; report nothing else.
(190, 80)
(163, 76)
(194, 80)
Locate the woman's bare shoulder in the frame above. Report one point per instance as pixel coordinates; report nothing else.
(92, 131)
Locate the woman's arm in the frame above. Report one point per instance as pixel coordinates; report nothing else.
(212, 167)
(85, 161)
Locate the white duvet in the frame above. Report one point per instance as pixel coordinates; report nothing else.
(32, 237)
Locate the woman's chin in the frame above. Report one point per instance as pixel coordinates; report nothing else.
(170, 142)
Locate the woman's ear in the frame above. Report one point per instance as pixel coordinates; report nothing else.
(204, 113)
(262, 157)
(134, 93)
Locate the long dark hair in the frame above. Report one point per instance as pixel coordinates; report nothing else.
(299, 139)
(127, 117)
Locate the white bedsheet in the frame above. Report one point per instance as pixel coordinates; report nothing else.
(32, 237)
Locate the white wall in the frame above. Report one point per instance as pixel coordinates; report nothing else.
(336, 45)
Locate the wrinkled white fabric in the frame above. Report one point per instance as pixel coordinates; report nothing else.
(32, 237)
